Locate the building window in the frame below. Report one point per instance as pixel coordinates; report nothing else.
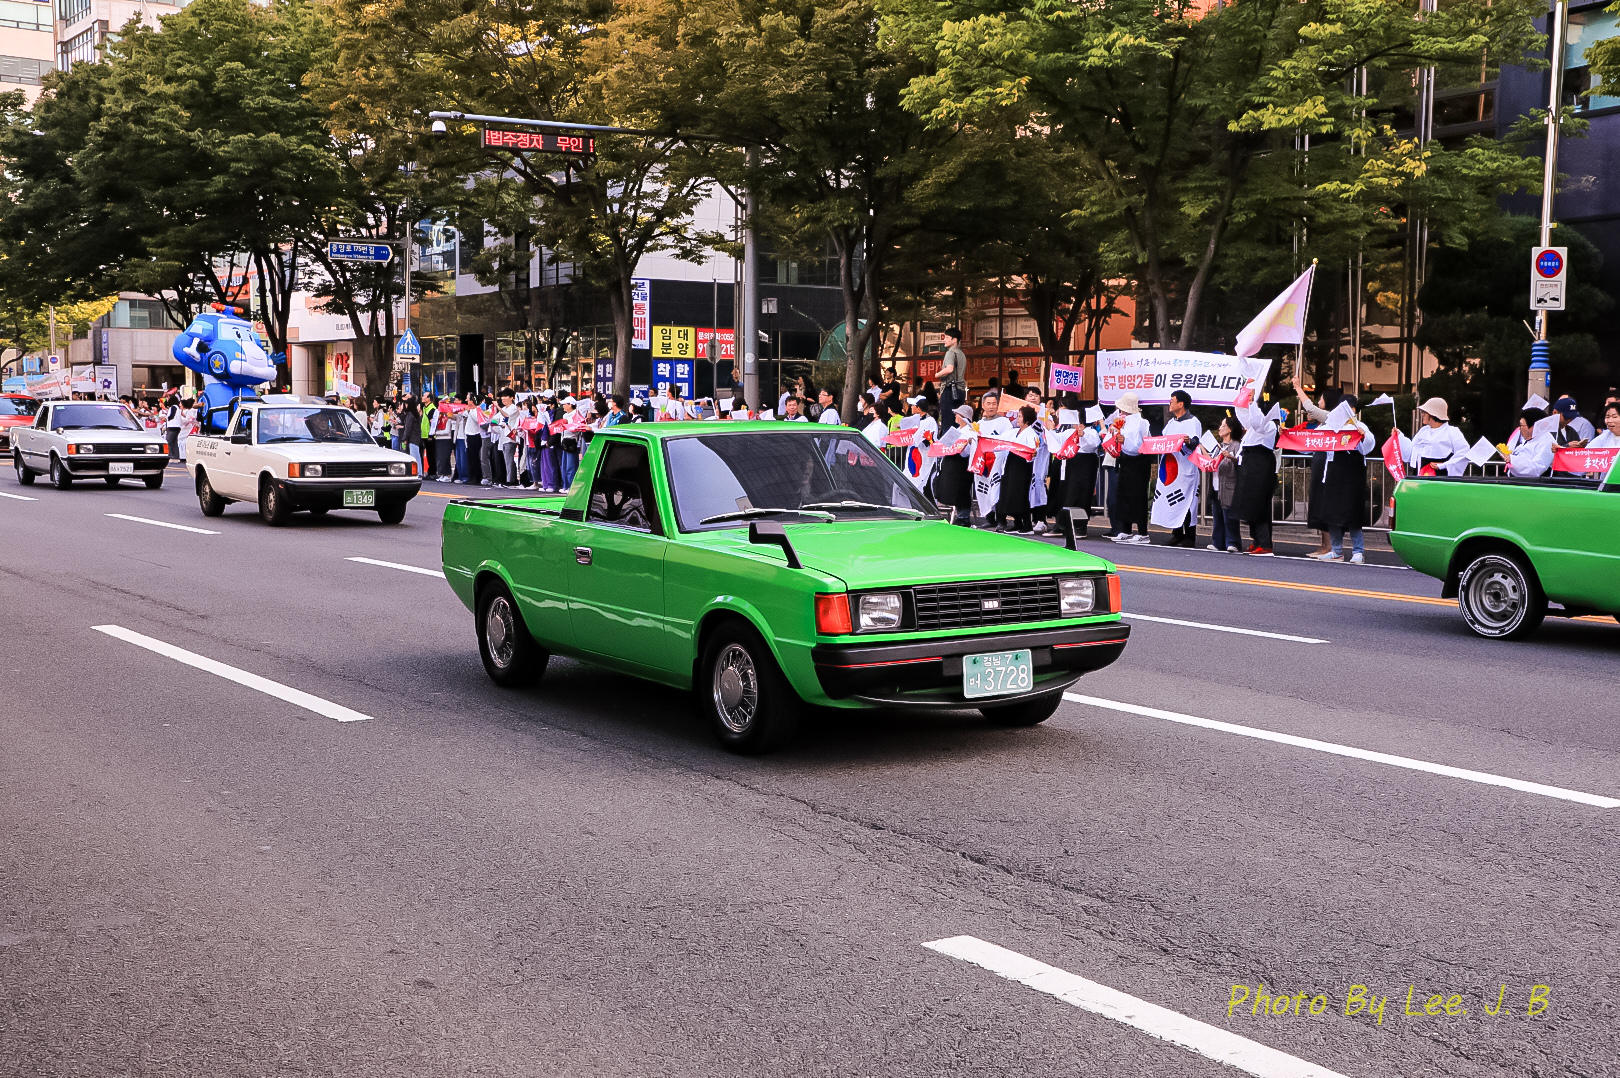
(71, 11)
(25, 15)
(1587, 28)
(81, 48)
(22, 69)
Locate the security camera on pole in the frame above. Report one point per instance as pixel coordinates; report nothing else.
(1549, 265)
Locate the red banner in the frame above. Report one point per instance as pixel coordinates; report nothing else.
(530, 422)
(1205, 463)
(909, 437)
(996, 445)
(949, 449)
(572, 425)
(1304, 440)
(1584, 461)
(1068, 448)
(1163, 443)
(1392, 456)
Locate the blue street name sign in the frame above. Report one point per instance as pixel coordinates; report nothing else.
(359, 252)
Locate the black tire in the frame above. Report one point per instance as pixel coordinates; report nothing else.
(318, 511)
(60, 479)
(1500, 597)
(153, 482)
(212, 504)
(744, 694)
(273, 505)
(391, 514)
(111, 480)
(25, 474)
(1023, 713)
(511, 657)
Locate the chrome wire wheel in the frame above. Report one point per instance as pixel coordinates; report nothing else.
(736, 688)
(500, 631)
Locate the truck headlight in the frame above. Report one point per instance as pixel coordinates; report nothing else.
(312, 471)
(1078, 595)
(879, 610)
(398, 467)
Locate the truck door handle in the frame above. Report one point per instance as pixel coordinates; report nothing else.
(582, 554)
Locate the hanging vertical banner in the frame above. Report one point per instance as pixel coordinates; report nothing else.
(641, 313)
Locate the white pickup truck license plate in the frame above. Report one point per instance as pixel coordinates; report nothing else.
(120, 467)
(997, 673)
(359, 499)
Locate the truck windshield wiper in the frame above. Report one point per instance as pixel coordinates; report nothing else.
(744, 514)
(917, 513)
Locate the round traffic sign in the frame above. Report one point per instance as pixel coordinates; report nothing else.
(1549, 263)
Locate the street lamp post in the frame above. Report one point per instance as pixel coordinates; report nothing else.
(750, 284)
(1540, 367)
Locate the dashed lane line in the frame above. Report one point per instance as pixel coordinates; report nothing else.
(1224, 628)
(1485, 777)
(1206, 1040)
(162, 524)
(17, 497)
(400, 566)
(230, 673)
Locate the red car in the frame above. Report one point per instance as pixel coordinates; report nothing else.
(16, 410)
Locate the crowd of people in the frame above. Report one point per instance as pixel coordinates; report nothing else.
(1074, 459)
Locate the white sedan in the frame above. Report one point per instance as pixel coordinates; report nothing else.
(291, 456)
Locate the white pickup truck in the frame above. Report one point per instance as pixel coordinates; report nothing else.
(285, 454)
(71, 440)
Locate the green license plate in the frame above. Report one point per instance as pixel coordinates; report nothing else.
(359, 499)
(997, 673)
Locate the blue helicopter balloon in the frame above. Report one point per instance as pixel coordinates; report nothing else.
(220, 345)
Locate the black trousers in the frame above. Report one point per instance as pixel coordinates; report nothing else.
(1260, 532)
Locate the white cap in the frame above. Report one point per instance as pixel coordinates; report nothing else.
(918, 399)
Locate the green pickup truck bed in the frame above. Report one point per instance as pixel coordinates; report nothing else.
(1506, 547)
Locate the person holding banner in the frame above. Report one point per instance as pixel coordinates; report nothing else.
(1076, 486)
(1135, 471)
(1017, 474)
(1175, 495)
(953, 484)
(1530, 450)
(1226, 536)
(1609, 437)
(1256, 477)
(1343, 493)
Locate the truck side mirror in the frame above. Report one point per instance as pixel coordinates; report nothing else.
(771, 533)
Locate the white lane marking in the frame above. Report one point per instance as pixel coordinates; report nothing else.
(1595, 800)
(1209, 1041)
(397, 565)
(162, 524)
(1226, 629)
(231, 673)
(17, 497)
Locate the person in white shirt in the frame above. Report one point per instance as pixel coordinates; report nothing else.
(1610, 436)
(1256, 477)
(1075, 486)
(1576, 430)
(790, 412)
(829, 414)
(1018, 473)
(1437, 443)
(1181, 475)
(173, 419)
(1530, 454)
(1135, 472)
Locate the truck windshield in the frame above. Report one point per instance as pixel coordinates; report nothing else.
(92, 417)
(725, 480)
(310, 425)
(18, 406)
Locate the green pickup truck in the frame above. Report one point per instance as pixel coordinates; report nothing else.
(770, 565)
(1507, 547)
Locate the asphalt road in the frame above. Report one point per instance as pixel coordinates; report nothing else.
(197, 878)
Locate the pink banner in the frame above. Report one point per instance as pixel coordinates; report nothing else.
(1163, 443)
(1304, 440)
(948, 449)
(1066, 379)
(913, 436)
(1583, 461)
(1393, 460)
(996, 445)
(1205, 463)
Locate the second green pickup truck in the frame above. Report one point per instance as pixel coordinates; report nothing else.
(1507, 547)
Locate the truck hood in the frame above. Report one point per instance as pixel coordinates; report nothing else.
(880, 553)
(112, 437)
(316, 452)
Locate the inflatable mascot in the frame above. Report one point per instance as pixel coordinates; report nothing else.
(232, 359)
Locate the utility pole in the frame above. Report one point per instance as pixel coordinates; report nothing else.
(750, 319)
(1540, 367)
(53, 329)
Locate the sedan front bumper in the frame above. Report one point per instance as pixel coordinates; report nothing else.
(95, 466)
(928, 673)
(328, 493)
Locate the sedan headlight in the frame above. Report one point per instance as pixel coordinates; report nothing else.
(399, 467)
(879, 610)
(312, 471)
(157, 447)
(1078, 594)
(76, 448)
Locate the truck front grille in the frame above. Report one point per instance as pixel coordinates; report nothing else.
(987, 602)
